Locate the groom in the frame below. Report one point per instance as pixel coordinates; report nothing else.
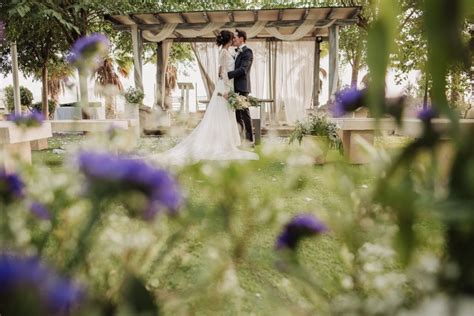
(241, 76)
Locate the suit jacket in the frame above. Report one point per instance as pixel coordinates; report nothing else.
(241, 73)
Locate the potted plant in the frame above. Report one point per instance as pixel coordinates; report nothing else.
(134, 98)
(316, 135)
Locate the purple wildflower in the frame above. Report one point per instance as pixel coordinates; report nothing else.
(2, 31)
(348, 100)
(427, 114)
(303, 225)
(11, 186)
(87, 48)
(112, 175)
(32, 119)
(20, 276)
(40, 211)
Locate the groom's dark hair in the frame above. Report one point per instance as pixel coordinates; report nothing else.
(242, 34)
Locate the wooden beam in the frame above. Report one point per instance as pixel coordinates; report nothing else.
(280, 15)
(159, 18)
(254, 39)
(183, 18)
(328, 16)
(113, 20)
(198, 26)
(136, 19)
(305, 14)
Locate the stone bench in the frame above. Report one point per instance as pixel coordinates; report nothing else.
(15, 142)
(355, 130)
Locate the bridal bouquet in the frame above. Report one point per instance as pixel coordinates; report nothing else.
(240, 102)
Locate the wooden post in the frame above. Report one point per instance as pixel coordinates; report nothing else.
(263, 106)
(273, 105)
(316, 82)
(16, 85)
(137, 56)
(186, 103)
(333, 61)
(160, 75)
(258, 131)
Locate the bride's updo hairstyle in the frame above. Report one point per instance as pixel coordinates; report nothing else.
(224, 37)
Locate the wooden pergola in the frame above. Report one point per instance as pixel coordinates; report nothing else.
(316, 24)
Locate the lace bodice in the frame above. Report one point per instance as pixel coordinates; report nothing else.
(226, 61)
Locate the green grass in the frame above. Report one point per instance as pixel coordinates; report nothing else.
(265, 290)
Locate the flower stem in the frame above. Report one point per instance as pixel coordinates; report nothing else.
(83, 240)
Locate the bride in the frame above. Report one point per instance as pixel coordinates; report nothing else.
(217, 135)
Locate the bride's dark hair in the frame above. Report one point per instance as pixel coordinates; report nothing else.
(224, 37)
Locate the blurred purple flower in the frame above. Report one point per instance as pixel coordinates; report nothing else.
(32, 119)
(2, 31)
(11, 186)
(348, 100)
(40, 211)
(87, 48)
(19, 274)
(112, 175)
(427, 114)
(303, 225)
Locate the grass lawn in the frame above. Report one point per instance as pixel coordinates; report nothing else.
(204, 249)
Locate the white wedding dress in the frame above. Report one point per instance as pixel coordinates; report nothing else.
(217, 135)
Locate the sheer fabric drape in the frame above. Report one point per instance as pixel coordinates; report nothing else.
(207, 59)
(294, 78)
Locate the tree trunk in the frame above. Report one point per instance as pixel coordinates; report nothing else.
(356, 68)
(84, 95)
(44, 92)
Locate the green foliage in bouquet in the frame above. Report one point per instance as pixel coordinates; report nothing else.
(240, 102)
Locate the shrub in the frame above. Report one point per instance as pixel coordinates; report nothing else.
(38, 106)
(26, 97)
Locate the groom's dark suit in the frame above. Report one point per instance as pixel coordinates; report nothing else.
(241, 76)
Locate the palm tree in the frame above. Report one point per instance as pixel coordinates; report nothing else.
(58, 74)
(107, 80)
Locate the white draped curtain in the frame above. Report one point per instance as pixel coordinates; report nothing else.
(207, 58)
(259, 75)
(293, 75)
(294, 78)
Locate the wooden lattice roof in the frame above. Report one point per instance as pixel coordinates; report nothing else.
(286, 20)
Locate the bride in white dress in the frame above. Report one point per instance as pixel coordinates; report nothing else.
(217, 135)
